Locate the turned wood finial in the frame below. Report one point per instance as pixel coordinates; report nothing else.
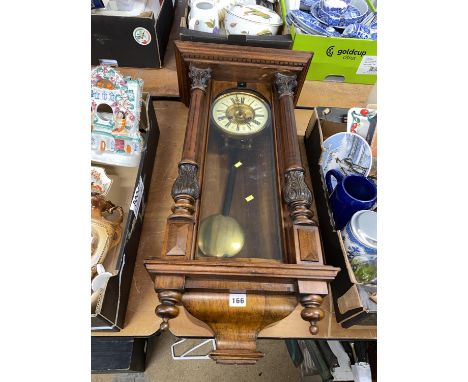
(285, 84)
(168, 309)
(312, 311)
(199, 77)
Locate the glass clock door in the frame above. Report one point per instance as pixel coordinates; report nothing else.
(239, 210)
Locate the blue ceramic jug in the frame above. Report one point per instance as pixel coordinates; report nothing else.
(352, 193)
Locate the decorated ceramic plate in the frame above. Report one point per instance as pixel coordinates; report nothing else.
(100, 182)
(346, 152)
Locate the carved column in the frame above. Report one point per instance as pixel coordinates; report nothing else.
(312, 311)
(185, 192)
(186, 189)
(296, 193)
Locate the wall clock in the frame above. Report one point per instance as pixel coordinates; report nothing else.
(241, 223)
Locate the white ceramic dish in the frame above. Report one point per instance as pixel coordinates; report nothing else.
(253, 20)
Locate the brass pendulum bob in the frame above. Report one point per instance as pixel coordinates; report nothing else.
(221, 235)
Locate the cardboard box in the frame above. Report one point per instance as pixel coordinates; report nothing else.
(339, 59)
(282, 40)
(134, 41)
(129, 190)
(351, 299)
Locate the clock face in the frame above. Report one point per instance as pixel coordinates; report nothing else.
(240, 113)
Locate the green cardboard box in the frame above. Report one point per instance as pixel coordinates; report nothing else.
(349, 60)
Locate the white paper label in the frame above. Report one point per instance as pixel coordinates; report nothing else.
(237, 299)
(135, 206)
(368, 65)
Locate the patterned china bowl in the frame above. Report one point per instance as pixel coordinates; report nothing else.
(334, 7)
(253, 20)
(305, 5)
(354, 14)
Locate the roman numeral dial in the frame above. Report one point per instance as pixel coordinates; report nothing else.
(240, 113)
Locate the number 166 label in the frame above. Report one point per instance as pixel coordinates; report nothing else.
(237, 299)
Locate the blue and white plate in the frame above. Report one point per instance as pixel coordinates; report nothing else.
(356, 12)
(346, 152)
(310, 25)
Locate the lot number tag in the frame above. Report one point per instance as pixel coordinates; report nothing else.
(136, 200)
(237, 299)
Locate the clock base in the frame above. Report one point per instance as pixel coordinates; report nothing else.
(236, 357)
(236, 327)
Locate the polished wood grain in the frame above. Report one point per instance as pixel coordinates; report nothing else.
(308, 239)
(241, 268)
(236, 328)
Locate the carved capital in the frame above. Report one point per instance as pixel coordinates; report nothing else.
(187, 182)
(199, 77)
(168, 309)
(312, 311)
(285, 84)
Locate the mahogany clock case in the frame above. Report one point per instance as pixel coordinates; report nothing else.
(112, 306)
(351, 300)
(274, 285)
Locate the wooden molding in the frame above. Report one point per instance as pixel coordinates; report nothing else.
(226, 63)
(239, 269)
